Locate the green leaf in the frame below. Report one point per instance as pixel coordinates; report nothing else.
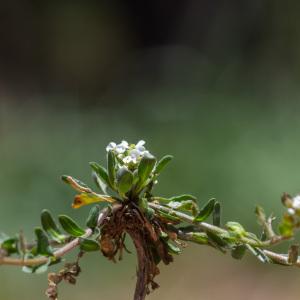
(168, 217)
(10, 245)
(257, 252)
(162, 163)
(111, 168)
(172, 248)
(185, 206)
(39, 269)
(35, 269)
(150, 212)
(92, 218)
(143, 204)
(70, 226)
(124, 180)
(217, 241)
(238, 252)
(89, 245)
(200, 238)
(236, 228)
(286, 226)
(50, 227)
(217, 214)
(163, 235)
(206, 211)
(102, 176)
(145, 168)
(43, 246)
(183, 197)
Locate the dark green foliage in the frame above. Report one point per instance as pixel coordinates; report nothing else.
(50, 227)
(70, 226)
(206, 211)
(92, 218)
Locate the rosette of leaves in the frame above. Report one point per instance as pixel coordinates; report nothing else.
(124, 203)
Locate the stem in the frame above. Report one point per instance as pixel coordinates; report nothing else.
(4, 260)
(42, 260)
(212, 228)
(142, 270)
(276, 257)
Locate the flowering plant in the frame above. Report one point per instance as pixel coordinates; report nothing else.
(159, 227)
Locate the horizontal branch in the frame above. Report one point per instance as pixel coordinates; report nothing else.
(214, 229)
(6, 260)
(42, 260)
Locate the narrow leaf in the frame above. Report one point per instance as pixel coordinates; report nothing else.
(286, 226)
(70, 226)
(238, 252)
(50, 227)
(75, 184)
(200, 238)
(185, 206)
(43, 246)
(236, 228)
(124, 180)
(102, 176)
(90, 198)
(111, 168)
(145, 168)
(172, 248)
(206, 211)
(217, 214)
(217, 241)
(10, 245)
(183, 197)
(92, 218)
(89, 245)
(162, 163)
(168, 217)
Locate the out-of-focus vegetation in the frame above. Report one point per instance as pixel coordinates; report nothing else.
(243, 155)
(216, 83)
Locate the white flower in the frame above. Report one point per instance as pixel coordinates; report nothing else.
(111, 146)
(296, 202)
(122, 147)
(291, 211)
(133, 156)
(128, 159)
(140, 146)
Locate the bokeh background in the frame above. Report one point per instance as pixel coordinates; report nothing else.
(214, 83)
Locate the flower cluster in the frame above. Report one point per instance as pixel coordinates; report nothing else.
(128, 154)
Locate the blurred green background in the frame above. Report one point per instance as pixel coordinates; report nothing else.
(214, 84)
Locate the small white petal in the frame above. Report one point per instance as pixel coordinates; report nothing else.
(141, 149)
(140, 143)
(296, 202)
(127, 159)
(124, 144)
(135, 153)
(111, 146)
(122, 147)
(291, 211)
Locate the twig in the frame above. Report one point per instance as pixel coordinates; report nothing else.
(278, 258)
(5, 260)
(214, 229)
